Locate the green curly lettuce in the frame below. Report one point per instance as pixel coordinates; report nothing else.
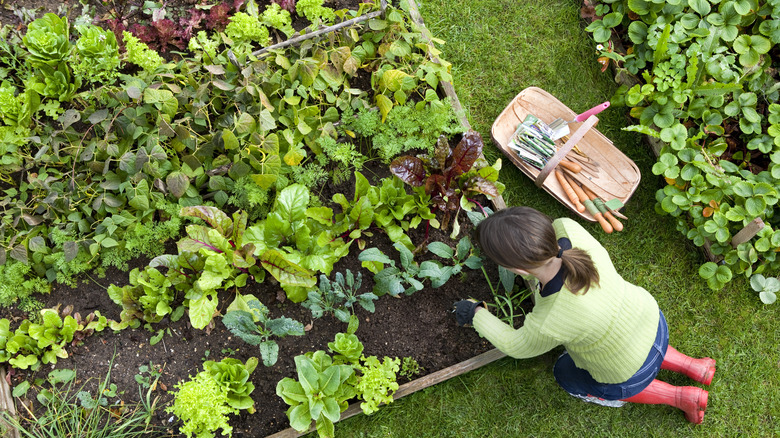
(377, 384)
(202, 42)
(202, 405)
(314, 11)
(247, 28)
(140, 54)
(278, 18)
(56, 83)
(16, 110)
(98, 55)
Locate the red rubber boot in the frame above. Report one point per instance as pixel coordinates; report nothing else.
(701, 370)
(690, 399)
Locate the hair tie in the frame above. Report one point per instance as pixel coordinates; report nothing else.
(560, 252)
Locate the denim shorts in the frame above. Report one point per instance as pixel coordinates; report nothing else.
(579, 382)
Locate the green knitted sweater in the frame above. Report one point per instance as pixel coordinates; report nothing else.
(608, 331)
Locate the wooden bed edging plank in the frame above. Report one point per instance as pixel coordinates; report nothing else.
(413, 386)
(324, 30)
(447, 87)
(7, 405)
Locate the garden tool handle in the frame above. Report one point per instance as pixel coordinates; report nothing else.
(569, 191)
(616, 225)
(591, 112)
(592, 209)
(571, 165)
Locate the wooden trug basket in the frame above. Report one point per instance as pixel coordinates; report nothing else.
(617, 176)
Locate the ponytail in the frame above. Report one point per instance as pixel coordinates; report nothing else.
(582, 272)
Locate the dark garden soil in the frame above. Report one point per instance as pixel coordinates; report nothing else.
(420, 326)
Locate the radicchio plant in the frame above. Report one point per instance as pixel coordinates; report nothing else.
(289, 5)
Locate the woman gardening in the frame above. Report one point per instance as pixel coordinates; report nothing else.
(615, 336)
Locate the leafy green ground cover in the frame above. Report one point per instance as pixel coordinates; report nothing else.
(498, 48)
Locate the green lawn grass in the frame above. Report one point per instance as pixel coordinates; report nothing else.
(498, 48)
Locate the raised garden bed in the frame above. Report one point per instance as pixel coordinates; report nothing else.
(419, 326)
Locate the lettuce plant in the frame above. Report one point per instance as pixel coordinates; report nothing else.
(278, 18)
(377, 382)
(233, 375)
(325, 383)
(320, 394)
(98, 55)
(140, 54)
(48, 40)
(204, 402)
(247, 28)
(56, 83)
(314, 11)
(202, 405)
(347, 347)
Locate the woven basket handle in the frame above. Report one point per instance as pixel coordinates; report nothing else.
(570, 143)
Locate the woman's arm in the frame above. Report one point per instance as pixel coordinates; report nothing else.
(520, 343)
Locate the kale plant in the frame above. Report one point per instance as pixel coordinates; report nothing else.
(249, 319)
(339, 297)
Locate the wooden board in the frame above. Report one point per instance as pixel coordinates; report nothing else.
(617, 176)
(447, 87)
(7, 404)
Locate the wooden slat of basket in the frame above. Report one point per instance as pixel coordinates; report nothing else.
(618, 176)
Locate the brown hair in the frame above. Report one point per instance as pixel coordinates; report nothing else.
(523, 238)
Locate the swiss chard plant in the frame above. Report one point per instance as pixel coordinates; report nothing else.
(250, 320)
(296, 240)
(450, 177)
(148, 297)
(212, 257)
(32, 345)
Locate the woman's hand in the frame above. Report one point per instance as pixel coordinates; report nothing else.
(465, 309)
